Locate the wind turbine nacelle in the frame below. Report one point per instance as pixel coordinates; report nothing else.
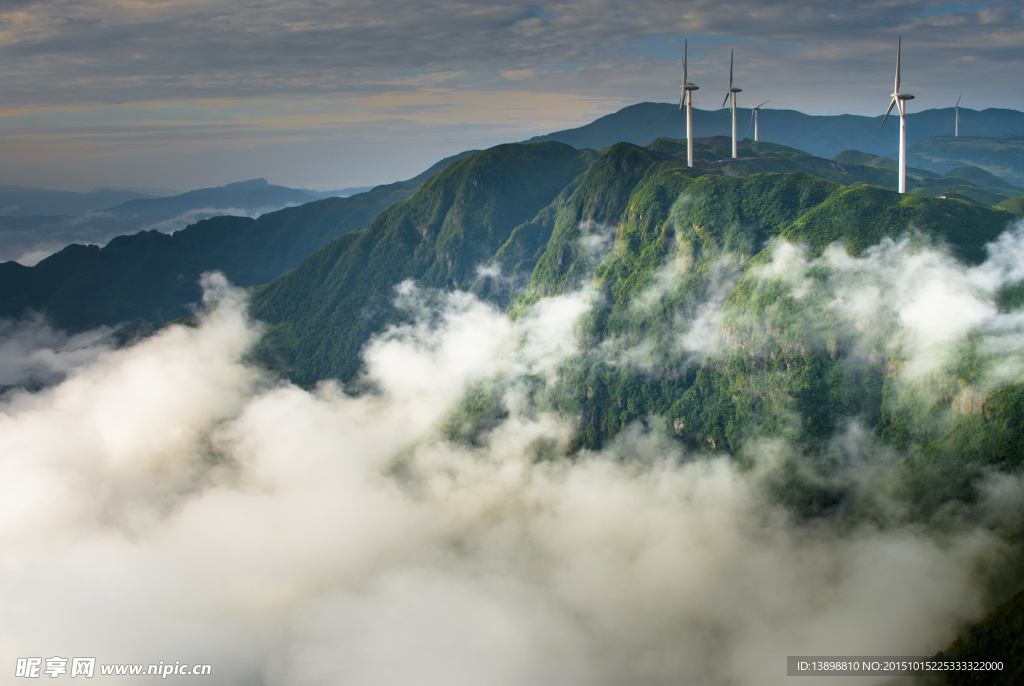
(740, 90)
(690, 87)
(903, 96)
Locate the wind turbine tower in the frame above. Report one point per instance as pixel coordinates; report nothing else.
(957, 108)
(732, 91)
(686, 98)
(753, 114)
(900, 99)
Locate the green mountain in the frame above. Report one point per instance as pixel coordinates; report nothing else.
(322, 313)
(1014, 204)
(964, 182)
(999, 637)
(723, 215)
(983, 179)
(848, 167)
(153, 276)
(1001, 156)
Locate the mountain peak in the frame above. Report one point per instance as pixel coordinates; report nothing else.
(251, 183)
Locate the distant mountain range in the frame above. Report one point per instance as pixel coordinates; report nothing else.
(29, 238)
(152, 275)
(36, 222)
(1002, 156)
(25, 201)
(820, 135)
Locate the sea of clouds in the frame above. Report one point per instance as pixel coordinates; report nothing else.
(171, 501)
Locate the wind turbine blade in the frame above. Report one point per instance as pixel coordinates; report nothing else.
(887, 112)
(730, 69)
(685, 46)
(751, 121)
(748, 100)
(899, 42)
(682, 97)
(958, 100)
(763, 104)
(726, 99)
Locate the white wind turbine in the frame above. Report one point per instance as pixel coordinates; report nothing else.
(900, 99)
(686, 98)
(732, 91)
(957, 108)
(753, 114)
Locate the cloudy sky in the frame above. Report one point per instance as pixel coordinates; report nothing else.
(328, 94)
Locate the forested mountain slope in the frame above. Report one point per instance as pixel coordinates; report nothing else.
(29, 238)
(322, 313)
(153, 276)
(446, 235)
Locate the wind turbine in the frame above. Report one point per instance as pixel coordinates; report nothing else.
(753, 114)
(686, 96)
(901, 100)
(957, 108)
(732, 91)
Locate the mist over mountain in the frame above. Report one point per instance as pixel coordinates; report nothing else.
(343, 193)
(30, 238)
(24, 201)
(142, 276)
(153, 276)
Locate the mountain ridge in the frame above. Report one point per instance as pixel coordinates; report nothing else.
(153, 276)
(821, 135)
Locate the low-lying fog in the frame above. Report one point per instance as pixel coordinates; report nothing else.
(171, 502)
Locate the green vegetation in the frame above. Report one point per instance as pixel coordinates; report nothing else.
(322, 313)
(1014, 204)
(997, 637)
(863, 215)
(531, 213)
(1002, 157)
(153, 276)
(848, 168)
(964, 182)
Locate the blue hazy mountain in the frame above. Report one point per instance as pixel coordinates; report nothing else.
(30, 238)
(152, 275)
(341, 193)
(25, 201)
(1001, 156)
(824, 136)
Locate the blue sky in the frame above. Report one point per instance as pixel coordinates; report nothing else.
(191, 93)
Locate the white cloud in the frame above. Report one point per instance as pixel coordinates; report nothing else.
(907, 301)
(168, 502)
